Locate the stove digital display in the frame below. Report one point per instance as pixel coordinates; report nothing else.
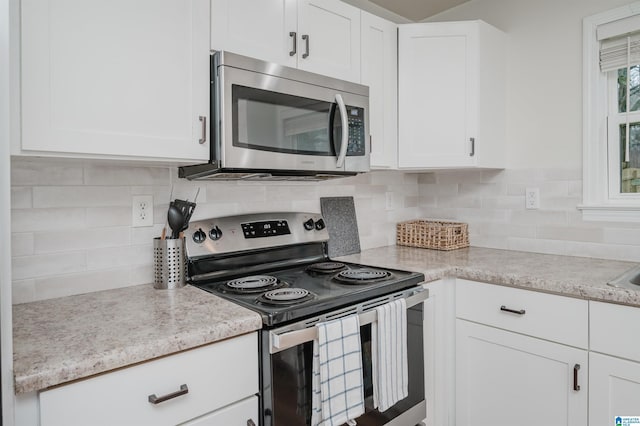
(269, 228)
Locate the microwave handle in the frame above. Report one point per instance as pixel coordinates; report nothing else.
(345, 131)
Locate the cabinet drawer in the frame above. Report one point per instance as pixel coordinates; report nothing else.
(215, 376)
(556, 318)
(615, 330)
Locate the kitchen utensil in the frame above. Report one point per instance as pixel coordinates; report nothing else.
(176, 220)
(186, 208)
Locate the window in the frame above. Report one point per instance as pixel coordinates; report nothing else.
(611, 119)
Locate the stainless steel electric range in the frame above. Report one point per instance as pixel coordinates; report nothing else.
(277, 265)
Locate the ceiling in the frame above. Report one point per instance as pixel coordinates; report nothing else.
(417, 10)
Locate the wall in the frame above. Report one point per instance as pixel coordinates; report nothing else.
(544, 134)
(71, 220)
(544, 88)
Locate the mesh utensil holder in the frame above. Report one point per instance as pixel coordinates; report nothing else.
(168, 263)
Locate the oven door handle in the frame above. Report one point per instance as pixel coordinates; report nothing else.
(281, 341)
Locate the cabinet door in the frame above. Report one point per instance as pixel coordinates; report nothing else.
(329, 38)
(120, 77)
(380, 73)
(437, 89)
(504, 378)
(614, 389)
(265, 29)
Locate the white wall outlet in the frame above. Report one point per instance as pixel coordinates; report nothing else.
(142, 211)
(532, 198)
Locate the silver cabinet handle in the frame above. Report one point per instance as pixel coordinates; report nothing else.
(203, 121)
(473, 147)
(576, 386)
(294, 36)
(250, 422)
(159, 399)
(305, 37)
(513, 311)
(345, 131)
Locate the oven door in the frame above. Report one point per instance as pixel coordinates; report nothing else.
(286, 381)
(268, 122)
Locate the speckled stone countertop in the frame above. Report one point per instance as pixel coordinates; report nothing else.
(570, 276)
(60, 340)
(64, 339)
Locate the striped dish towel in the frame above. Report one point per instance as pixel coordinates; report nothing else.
(389, 355)
(337, 389)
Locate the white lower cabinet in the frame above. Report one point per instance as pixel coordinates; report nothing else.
(521, 357)
(614, 389)
(505, 378)
(202, 385)
(614, 363)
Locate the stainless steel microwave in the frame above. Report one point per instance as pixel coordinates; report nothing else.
(276, 122)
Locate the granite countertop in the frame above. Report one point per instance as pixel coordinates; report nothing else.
(60, 340)
(566, 275)
(64, 339)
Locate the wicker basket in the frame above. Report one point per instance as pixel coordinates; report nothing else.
(432, 234)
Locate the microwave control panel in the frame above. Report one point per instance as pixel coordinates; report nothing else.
(357, 137)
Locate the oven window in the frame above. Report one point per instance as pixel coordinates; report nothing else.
(291, 379)
(271, 121)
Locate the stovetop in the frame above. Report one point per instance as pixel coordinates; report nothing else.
(325, 291)
(282, 245)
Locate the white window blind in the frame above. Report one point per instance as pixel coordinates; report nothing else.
(619, 43)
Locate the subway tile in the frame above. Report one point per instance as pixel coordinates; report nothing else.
(23, 291)
(468, 201)
(29, 172)
(482, 189)
(537, 245)
(140, 274)
(81, 196)
(47, 265)
(595, 235)
(504, 202)
(208, 210)
(385, 177)
(603, 251)
(98, 217)
(21, 197)
(105, 258)
(459, 176)
(146, 234)
(31, 220)
(112, 175)
(227, 193)
(539, 217)
(21, 244)
(338, 190)
(289, 193)
(622, 236)
(575, 188)
(72, 240)
(426, 178)
(81, 282)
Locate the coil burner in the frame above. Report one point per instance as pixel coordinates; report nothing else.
(285, 296)
(362, 276)
(252, 284)
(326, 267)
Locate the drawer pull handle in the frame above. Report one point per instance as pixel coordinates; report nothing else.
(513, 311)
(250, 422)
(158, 399)
(576, 386)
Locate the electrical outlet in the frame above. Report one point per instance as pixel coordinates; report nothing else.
(142, 211)
(532, 198)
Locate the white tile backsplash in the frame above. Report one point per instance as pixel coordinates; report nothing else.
(71, 220)
(72, 229)
(502, 221)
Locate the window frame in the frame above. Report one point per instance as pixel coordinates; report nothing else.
(598, 202)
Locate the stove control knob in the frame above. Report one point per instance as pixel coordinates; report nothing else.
(199, 236)
(309, 225)
(215, 233)
(320, 225)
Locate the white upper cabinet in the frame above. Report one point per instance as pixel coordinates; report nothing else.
(265, 29)
(452, 95)
(380, 73)
(321, 36)
(332, 43)
(116, 78)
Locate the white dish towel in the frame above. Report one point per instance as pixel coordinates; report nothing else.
(337, 389)
(389, 355)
